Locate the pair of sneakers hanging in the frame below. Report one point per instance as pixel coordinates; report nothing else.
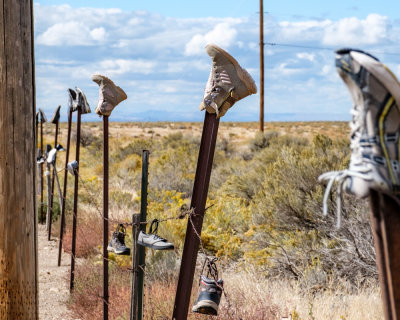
(151, 240)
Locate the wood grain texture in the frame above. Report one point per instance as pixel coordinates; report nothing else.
(18, 271)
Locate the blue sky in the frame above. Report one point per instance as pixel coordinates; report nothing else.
(154, 50)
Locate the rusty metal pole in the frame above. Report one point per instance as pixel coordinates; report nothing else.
(55, 121)
(62, 218)
(105, 218)
(135, 267)
(385, 221)
(42, 215)
(75, 213)
(143, 218)
(261, 126)
(199, 198)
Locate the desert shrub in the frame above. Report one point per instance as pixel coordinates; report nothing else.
(262, 140)
(289, 235)
(135, 147)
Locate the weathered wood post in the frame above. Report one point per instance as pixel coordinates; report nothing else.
(18, 262)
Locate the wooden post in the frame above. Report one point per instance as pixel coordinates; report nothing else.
(135, 267)
(18, 261)
(261, 125)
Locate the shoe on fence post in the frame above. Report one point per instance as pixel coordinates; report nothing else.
(153, 240)
(110, 95)
(375, 127)
(117, 243)
(228, 82)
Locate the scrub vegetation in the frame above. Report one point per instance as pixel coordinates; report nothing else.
(278, 254)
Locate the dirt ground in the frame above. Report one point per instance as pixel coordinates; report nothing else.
(53, 284)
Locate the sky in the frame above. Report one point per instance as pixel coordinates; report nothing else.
(155, 51)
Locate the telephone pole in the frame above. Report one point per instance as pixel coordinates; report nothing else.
(261, 125)
(18, 246)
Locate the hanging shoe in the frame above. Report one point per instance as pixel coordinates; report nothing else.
(210, 292)
(228, 82)
(72, 167)
(82, 101)
(51, 157)
(375, 127)
(117, 243)
(110, 95)
(152, 240)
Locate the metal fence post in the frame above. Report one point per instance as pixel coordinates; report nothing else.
(135, 266)
(198, 203)
(143, 217)
(55, 120)
(385, 222)
(105, 217)
(62, 218)
(75, 213)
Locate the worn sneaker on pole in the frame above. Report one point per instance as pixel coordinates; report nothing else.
(210, 292)
(375, 127)
(117, 243)
(110, 95)
(82, 101)
(228, 82)
(153, 240)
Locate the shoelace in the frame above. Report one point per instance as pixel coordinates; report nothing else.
(339, 177)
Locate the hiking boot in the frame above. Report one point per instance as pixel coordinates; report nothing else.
(375, 125)
(110, 95)
(117, 243)
(228, 82)
(152, 240)
(210, 292)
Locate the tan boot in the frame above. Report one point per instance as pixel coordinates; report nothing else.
(228, 82)
(110, 95)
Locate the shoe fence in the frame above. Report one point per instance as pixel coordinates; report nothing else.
(137, 270)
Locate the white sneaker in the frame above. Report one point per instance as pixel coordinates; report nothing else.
(154, 241)
(375, 127)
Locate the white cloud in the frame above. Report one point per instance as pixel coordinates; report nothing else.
(223, 35)
(121, 66)
(71, 33)
(355, 32)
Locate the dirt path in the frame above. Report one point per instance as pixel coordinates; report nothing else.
(53, 284)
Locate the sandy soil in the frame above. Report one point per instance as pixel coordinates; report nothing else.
(53, 284)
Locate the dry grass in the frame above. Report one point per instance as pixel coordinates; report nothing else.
(247, 298)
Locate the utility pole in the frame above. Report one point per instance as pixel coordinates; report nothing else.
(18, 246)
(261, 125)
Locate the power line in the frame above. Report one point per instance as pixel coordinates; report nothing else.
(272, 44)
